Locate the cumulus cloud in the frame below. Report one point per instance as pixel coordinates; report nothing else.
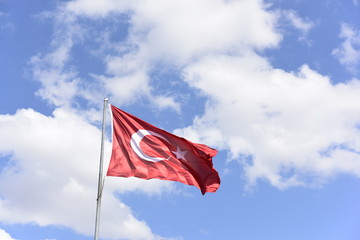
(175, 33)
(4, 235)
(126, 77)
(184, 30)
(283, 127)
(159, 33)
(348, 53)
(55, 161)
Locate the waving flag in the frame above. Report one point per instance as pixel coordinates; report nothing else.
(145, 151)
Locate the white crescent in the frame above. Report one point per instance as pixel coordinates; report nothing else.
(135, 144)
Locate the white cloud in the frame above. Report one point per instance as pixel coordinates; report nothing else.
(160, 32)
(97, 8)
(348, 53)
(284, 127)
(126, 78)
(59, 81)
(5, 236)
(52, 174)
(166, 102)
(183, 30)
(303, 25)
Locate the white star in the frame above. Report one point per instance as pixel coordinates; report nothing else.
(180, 154)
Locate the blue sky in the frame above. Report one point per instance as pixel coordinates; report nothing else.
(273, 85)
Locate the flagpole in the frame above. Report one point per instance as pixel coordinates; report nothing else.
(100, 181)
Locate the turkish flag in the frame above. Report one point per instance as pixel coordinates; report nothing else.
(145, 151)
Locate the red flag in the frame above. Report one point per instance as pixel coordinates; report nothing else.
(145, 151)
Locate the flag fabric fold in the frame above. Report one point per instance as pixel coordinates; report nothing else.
(145, 151)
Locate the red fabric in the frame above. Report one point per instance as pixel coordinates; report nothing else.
(145, 151)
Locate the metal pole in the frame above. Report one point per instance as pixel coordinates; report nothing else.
(100, 182)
